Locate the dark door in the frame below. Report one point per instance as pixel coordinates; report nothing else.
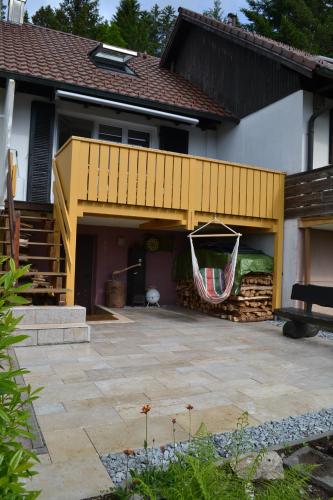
(40, 152)
(136, 278)
(174, 139)
(84, 271)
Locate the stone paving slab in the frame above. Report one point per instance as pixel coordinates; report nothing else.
(168, 358)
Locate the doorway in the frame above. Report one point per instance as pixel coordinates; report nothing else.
(85, 271)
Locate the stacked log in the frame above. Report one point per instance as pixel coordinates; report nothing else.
(253, 303)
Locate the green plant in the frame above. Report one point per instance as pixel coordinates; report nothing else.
(16, 462)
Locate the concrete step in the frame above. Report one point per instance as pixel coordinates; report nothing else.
(41, 315)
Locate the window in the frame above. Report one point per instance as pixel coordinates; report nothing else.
(124, 135)
(113, 134)
(69, 126)
(138, 138)
(114, 58)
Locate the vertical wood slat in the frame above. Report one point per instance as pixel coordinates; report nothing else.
(263, 194)
(235, 190)
(221, 189)
(256, 193)
(270, 187)
(93, 171)
(228, 189)
(249, 193)
(277, 195)
(113, 174)
(213, 187)
(150, 187)
(184, 195)
(142, 178)
(132, 176)
(177, 177)
(84, 170)
(168, 181)
(159, 183)
(103, 173)
(205, 186)
(195, 173)
(242, 191)
(123, 175)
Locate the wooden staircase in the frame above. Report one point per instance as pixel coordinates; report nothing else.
(40, 246)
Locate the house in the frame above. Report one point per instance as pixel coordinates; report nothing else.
(137, 152)
(283, 98)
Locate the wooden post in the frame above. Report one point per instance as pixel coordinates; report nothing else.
(307, 255)
(278, 250)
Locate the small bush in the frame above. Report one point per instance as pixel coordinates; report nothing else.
(16, 462)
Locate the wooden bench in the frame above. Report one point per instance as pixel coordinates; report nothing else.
(304, 322)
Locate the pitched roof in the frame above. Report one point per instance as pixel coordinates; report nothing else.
(54, 56)
(298, 58)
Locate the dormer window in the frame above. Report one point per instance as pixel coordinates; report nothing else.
(114, 58)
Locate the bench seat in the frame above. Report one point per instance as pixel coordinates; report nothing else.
(299, 315)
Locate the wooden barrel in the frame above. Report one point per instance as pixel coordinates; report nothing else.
(115, 293)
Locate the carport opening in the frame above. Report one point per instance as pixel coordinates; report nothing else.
(106, 245)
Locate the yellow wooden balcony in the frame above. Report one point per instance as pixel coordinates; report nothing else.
(165, 189)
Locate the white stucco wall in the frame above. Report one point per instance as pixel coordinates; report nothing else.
(270, 137)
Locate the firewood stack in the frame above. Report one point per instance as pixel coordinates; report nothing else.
(253, 303)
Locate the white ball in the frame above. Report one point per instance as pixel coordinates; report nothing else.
(152, 296)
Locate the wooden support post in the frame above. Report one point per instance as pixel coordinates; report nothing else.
(307, 256)
(278, 249)
(16, 239)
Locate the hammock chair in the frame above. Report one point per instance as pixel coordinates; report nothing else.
(214, 285)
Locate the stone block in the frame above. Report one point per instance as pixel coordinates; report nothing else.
(77, 334)
(30, 340)
(60, 315)
(27, 313)
(50, 336)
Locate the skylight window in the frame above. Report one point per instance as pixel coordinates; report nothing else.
(111, 57)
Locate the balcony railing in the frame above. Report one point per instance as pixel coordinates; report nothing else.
(309, 193)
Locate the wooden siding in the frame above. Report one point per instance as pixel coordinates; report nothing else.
(240, 79)
(309, 193)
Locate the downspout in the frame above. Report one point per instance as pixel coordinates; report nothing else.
(5, 137)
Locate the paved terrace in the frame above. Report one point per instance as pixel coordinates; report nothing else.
(93, 392)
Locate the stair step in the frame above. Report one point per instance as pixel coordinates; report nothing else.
(30, 230)
(36, 257)
(29, 291)
(32, 217)
(40, 273)
(35, 243)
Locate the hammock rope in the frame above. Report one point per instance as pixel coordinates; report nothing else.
(214, 285)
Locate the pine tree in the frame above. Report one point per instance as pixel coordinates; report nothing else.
(305, 24)
(215, 11)
(127, 18)
(167, 19)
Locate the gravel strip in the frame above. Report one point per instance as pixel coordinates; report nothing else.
(265, 435)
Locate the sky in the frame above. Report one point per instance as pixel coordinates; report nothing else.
(108, 7)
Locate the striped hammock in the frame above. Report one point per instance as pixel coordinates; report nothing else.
(214, 285)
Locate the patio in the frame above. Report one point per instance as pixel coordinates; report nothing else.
(93, 392)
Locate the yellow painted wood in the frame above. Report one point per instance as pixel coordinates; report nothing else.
(103, 181)
(235, 190)
(93, 172)
(242, 191)
(206, 186)
(151, 177)
(184, 195)
(123, 175)
(113, 174)
(221, 189)
(263, 194)
(278, 249)
(132, 177)
(213, 187)
(84, 170)
(177, 175)
(168, 181)
(159, 183)
(142, 177)
(92, 177)
(228, 190)
(256, 193)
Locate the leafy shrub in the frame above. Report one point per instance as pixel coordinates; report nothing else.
(16, 461)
